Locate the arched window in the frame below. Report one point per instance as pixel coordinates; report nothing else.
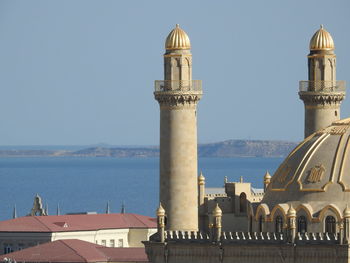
(242, 203)
(330, 225)
(302, 224)
(279, 224)
(261, 222)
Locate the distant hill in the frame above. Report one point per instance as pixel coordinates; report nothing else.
(229, 148)
(246, 148)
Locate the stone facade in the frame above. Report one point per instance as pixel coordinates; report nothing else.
(303, 213)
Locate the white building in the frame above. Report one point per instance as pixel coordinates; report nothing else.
(111, 230)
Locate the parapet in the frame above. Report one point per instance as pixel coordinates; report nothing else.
(263, 238)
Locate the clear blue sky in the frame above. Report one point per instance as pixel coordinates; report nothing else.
(82, 72)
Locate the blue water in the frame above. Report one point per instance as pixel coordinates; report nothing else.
(86, 184)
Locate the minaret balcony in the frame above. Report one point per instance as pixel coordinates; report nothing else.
(322, 86)
(178, 85)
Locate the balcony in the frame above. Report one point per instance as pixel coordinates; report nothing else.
(322, 86)
(178, 85)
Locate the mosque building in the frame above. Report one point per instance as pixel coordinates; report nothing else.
(301, 215)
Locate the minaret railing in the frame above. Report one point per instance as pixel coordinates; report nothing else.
(322, 86)
(178, 85)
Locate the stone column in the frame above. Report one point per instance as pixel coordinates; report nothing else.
(291, 224)
(201, 195)
(201, 190)
(346, 225)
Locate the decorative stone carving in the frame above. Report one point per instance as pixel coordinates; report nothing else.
(175, 99)
(315, 98)
(37, 209)
(316, 174)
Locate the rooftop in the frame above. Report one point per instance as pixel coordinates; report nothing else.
(81, 222)
(73, 250)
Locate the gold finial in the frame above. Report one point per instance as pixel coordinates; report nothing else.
(177, 39)
(322, 40)
(160, 210)
(241, 179)
(217, 211)
(201, 179)
(267, 175)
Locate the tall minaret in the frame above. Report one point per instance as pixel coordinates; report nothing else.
(178, 96)
(321, 94)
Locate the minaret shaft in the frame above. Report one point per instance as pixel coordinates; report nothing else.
(178, 167)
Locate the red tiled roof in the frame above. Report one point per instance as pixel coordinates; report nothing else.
(84, 222)
(74, 250)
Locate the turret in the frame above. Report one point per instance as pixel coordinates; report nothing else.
(291, 224)
(217, 215)
(178, 96)
(161, 222)
(201, 189)
(322, 93)
(267, 180)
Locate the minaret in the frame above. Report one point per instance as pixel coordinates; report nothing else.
(321, 94)
(178, 96)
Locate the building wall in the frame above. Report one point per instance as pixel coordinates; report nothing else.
(13, 241)
(106, 237)
(138, 235)
(246, 253)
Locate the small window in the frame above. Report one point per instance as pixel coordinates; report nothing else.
(111, 243)
(279, 224)
(120, 243)
(336, 113)
(8, 248)
(330, 225)
(20, 246)
(302, 224)
(103, 242)
(261, 222)
(242, 203)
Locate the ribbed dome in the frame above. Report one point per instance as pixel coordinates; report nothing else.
(321, 40)
(177, 39)
(316, 171)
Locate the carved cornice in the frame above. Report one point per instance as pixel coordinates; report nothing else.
(177, 98)
(321, 98)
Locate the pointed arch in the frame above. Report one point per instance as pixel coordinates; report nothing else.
(332, 208)
(262, 209)
(307, 209)
(280, 207)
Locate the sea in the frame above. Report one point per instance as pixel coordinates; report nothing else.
(88, 184)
